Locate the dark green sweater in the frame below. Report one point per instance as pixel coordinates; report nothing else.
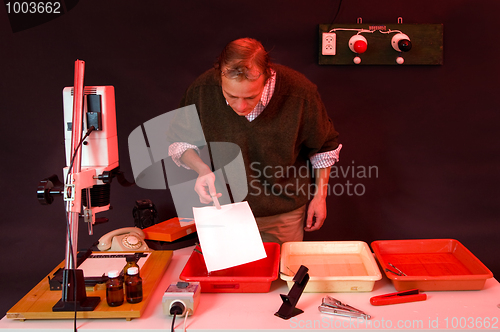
(276, 146)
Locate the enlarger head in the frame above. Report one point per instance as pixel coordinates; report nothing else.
(100, 149)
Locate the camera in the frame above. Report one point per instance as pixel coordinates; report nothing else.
(145, 214)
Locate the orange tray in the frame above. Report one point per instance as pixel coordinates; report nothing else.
(254, 277)
(431, 265)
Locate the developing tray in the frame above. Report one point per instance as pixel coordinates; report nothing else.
(253, 277)
(342, 266)
(431, 265)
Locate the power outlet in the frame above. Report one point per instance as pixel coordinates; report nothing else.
(186, 293)
(328, 43)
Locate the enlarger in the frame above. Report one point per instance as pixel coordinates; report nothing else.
(91, 146)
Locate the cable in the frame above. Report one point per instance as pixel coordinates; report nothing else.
(337, 13)
(361, 30)
(70, 242)
(186, 318)
(391, 31)
(90, 130)
(173, 323)
(177, 308)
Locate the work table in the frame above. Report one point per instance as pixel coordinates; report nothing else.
(469, 310)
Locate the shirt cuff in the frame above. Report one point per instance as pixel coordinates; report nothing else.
(326, 159)
(175, 150)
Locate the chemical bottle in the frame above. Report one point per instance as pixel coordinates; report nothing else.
(114, 289)
(131, 262)
(133, 285)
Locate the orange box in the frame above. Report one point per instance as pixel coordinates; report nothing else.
(170, 230)
(430, 265)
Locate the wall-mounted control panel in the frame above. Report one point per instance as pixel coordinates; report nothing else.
(380, 44)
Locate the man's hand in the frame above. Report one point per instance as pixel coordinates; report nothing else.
(316, 212)
(205, 187)
(205, 183)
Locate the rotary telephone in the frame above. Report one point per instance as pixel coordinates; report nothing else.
(123, 239)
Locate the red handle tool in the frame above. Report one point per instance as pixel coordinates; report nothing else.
(411, 295)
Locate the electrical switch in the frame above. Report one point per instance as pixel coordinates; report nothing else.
(358, 44)
(401, 42)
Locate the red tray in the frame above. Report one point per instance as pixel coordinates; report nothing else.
(431, 265)
(254, 277)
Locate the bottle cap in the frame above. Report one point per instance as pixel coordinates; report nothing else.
(113, 274)
(132, 270)
(130, 258)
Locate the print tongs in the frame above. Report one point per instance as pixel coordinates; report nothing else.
(335, 307)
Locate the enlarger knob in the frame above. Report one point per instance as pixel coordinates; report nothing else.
(48, 188)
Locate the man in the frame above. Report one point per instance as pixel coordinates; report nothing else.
(276, 116)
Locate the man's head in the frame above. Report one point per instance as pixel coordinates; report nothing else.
(244, 67)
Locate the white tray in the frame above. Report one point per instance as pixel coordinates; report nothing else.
(342, 266)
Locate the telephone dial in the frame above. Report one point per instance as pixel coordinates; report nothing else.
(123, 239)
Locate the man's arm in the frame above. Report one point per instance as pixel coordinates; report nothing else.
(205, 184)
(316, 212)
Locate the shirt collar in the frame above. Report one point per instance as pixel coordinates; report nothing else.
(268, 91)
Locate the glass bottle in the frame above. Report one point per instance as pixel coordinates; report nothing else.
(114, 289)
(131, 262)
(133, 285)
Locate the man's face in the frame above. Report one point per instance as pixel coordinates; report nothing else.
(242, 95)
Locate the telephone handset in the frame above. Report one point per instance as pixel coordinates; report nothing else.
(123, 239)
